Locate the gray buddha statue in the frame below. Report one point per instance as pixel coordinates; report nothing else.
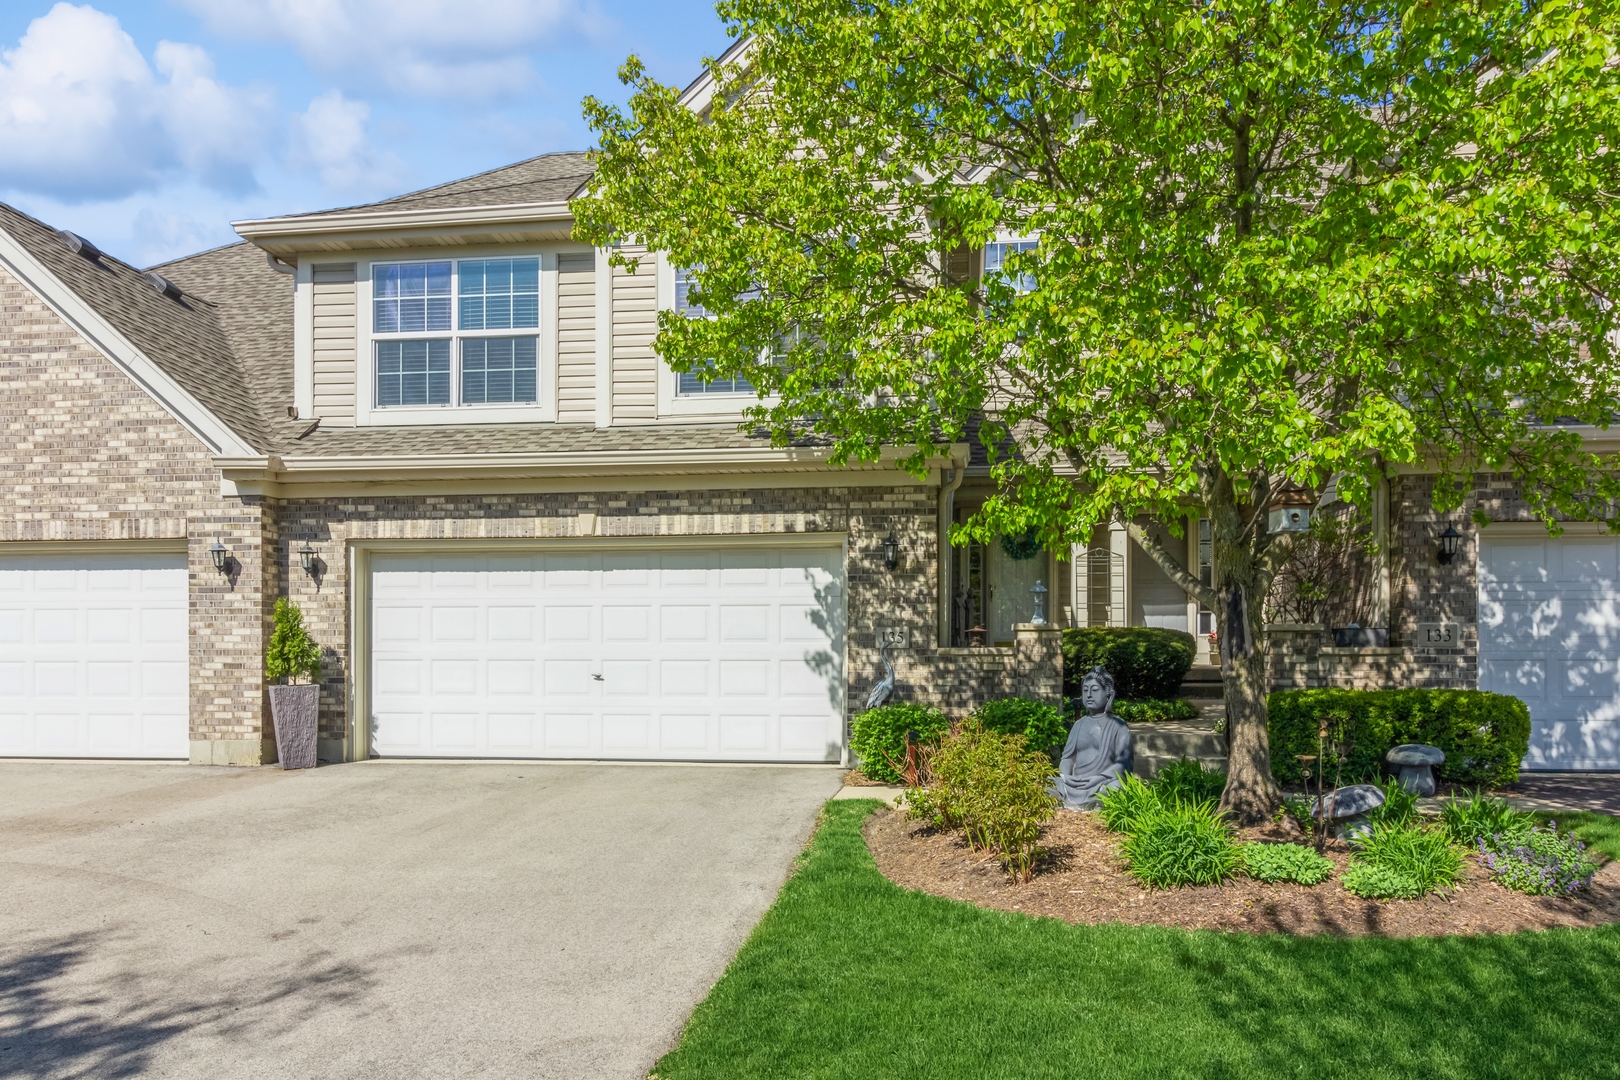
(1098, 754)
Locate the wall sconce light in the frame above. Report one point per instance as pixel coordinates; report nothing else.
(1448, 545)
(218, 553)
(306, 558)
(891, 551)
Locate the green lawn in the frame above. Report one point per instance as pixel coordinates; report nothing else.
(851, 976)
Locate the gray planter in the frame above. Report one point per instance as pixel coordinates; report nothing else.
(295, 710)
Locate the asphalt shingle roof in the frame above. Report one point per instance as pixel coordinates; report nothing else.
(547, 178)
(185, 337)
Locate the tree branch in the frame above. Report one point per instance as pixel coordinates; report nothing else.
(1171, 567)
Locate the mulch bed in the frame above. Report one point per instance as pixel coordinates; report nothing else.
(1083, 880)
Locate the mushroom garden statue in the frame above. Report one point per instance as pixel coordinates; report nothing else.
(1416, 762)
(1098, 754)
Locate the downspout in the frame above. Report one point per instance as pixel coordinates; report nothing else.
(947, 510)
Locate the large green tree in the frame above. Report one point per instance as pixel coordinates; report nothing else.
(1281, 243)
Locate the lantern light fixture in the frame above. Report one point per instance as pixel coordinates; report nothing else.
(1038, 591)
(1448, 545)
(891, 551)
(218, 553)
(306, 558)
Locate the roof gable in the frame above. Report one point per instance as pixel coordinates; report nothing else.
(193, 372)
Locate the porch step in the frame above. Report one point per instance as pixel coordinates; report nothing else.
(1157, 745)
(1202, 681)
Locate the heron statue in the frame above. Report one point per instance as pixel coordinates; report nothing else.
(885, 686)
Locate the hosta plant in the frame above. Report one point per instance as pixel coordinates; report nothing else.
(1285, 862)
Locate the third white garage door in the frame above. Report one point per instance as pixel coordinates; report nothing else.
(717, 654)
(1549, 632)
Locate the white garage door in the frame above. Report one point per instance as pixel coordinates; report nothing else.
(93, 656)
(650, 654)
(1549, 632)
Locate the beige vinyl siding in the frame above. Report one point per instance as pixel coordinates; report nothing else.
(334, 341)
(635, 324)
(576, 338)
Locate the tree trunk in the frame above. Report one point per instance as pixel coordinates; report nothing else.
(1252, 794)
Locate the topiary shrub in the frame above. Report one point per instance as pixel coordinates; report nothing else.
(1040, 724)
(1155, 710)
(292, 652)
(1181, 844)
(1145, 661)
(879, 738)
(1484, 735)
(1285, 862)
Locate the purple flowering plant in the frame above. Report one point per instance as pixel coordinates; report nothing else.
(1540, 862)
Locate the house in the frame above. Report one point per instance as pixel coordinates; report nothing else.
(437, 424)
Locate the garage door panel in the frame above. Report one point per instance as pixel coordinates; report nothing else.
(674, 635)
(1550, 634)
(1587, 565)
(511, 731)
(455, 731)
(567, 731)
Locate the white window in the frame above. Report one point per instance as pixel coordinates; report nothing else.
(421, 360)
(995, 258)
(691, 384)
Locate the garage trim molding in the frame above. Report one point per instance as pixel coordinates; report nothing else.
(357, 741)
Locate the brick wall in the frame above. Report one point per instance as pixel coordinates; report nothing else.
(85, 454)
(953, 678)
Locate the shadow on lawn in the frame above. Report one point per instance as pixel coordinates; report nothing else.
(59, 1019)
(1527, 1004)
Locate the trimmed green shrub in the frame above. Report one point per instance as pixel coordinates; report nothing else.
(995, 789)
(1541, 862)
(1285, 862)
(292, 653)
(1188, 781)
(879, 738)
(1484, 735)
(1181, 844)
(1124, 805)
(1154, 710)
(1424, 859)
(1040, 724)
(1145, 661)
(1481, 817)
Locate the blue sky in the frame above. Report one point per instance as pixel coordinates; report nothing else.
(148, 127)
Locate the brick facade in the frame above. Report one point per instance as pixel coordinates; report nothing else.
(87, 455)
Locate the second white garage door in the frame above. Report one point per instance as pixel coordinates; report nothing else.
(733, 654)
(1549, 632)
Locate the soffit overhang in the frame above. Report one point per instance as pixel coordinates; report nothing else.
(456, 226)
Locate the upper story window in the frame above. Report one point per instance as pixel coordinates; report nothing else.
(995, 259)
(690, 384)
(410, 297)
(421, 359)
(500, 294)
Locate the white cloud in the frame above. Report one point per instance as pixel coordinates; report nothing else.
(455, 49)
(330, 137)
(82, 115)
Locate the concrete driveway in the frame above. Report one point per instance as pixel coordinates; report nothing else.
(379, 919)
